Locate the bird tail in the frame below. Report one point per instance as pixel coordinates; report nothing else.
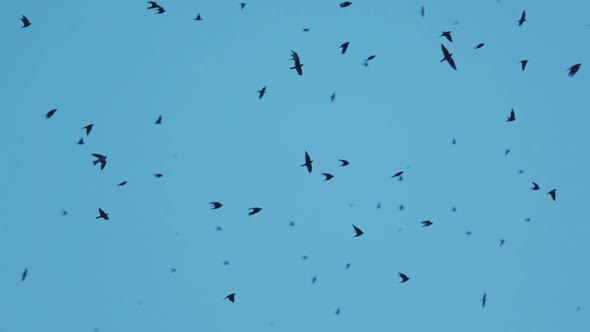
(95, 162)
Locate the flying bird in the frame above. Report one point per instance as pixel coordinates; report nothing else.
(81, 141)
(158, 175)
(535, 186)
(332, 97)
(314, 279)
(153, 5)
(88, 128)
(502, 242)
(404, 277)
(422, 11)
(215, 205)
(231, 297)
(242, 5)
(574, 69)
(261, 92)
(552, 193)
(24, 274)
(50, 113)
(523, 64)
(102, 214)
(161, 10)
(25, 21)
(369, 58)
(522, 18)
(483, 300)
(512, 116)
(100, 159)
(159, 120)
(337, 312)
(345, 4)
(122, 183)
(397, 174)
(305, 29)
(254, 211)
(347, 266)
(454, 141)
(328, 176)
(343, 162)
(448, 57)
(344, 47)
(357, 231)
(298, 64)
(426, 223)
(308, 162)
(198, 18)
(447, 35)
(478, 46)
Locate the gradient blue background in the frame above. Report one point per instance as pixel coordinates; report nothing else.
(119, 66)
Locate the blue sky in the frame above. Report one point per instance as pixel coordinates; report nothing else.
(119, 66)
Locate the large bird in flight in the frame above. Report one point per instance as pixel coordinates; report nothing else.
(231, 297)
(447, 35)
(102, 214)
(574, 69)
(512, 116)
(448, 57)
(25, 21)
(522, 18)
(100, 159)
(404, 277)
(50, 113)
(298, 64)
(344, 47)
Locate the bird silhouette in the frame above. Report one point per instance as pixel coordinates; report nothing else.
(254, 211)
(344, 47)
(198, 18)
(102, 214)
(158, 175)
(343, 162)
(308, 162)
(523, 64)
(574, 69)
(24, 275)
(81, 141)
(332, 97)
(328, 176)
(426, 223)
(261, 92)
(447, 35)
(160, 9)
(422, 11)
(242, 5)
(231, 297)
(478, 46)
(215, 205)
(357, 231)
(522, 18)
(337, 312)
(25, 21)
(553, 193)
(345, 4)
(502, 242)
(153, 5)
(88, 128)
(397, 174)
(305, 29)
(404, 277)
(100, 159)
(122, 183)
(483, 300)
(314, 279)
(448, 57)
(369, 58)
(512, 116)
(298, 64)
(347, 266)
(159, 120)
(535, 186)
(50, 113)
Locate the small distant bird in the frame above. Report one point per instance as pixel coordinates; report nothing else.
(198, 18)
(161, 10)
(343, 162)
(158, 175)
(483, 300)
(122, 183)
(448, 57)
(254, 211)
(502, 242)
(218, 228)
(357, 231)
(153, 5)
(314, 279)
(298, 64)
(159, 120)
(332, 97)
(535, 186)
(426, 223)
(261, 92)
(305, 29)
(552, 193)
(64, 213)
(468, 232)
(88, 128)
(506, 152)
(100, 159)
(292, 223)
(378, 205)
(344, 47)
(102, 214)
(226, 263)
(345, 4)
(454, 142)
(478, 46)
(447, 35)
(397, 174)
(522, 18)
(404, 277)
(328, 176)
(50, 113)
(242, 5)
(527, 219)
(523, 64)
(422, 11)
(215, 205)
(512, 116)
(231, 297)
(337, 312)
(369, 58)
(24, 275)
(574, 69)
(308, 162)
(401, 207)
(81, 141)
(25, 21)
(453, 209)
(347, 266)
(304, 257)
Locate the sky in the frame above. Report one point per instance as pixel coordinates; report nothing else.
(166, 261)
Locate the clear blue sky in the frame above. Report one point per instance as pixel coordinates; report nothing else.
(119, 66)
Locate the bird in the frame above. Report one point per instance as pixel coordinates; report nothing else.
(102, 214)
(502, 242)
(535, 186)
(347, 266)
(231, 297)
(215, 205)
(242, 5)
(397, 174)
(522, 18)
(153, 5)
(305, 29)
(198, 18)
(88, 128)
(426, 223)
(159, 120)
(100, 159)
(158, 175)
(332, 97)
(308, 162)
(298, 64)
(81, 141)
(453, 209)
(357, 231)
(261, 92)
(523, 64)
(378, 205)
(161, 10)
(122, 183)
(483, 300)
(337, 312)
(24, 275)
(404, 277)
(447, 35)
(314, 279)
(64, 213)
(254, 211)
(369, 58)
(574, 69)
(345, 4)
(291, 223)
(478, 46)
(512, 116)
(552, 193)
(344, 47)
(422, 11)
(50, 113)
(454, 141)
(25, 21)
(506, 152)
(448, 57)
(328, 176)
(343, 162)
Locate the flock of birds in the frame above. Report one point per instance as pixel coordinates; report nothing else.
(101, 159)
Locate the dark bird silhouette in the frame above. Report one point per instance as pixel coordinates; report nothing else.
(305, 29)
(552, 193)
(426, 223)
(122, 183)
(153, 5)
(343, 162)
(378, 205)
(298, 64)
(215, 205)
(100, 159)
(261, 92)
(448, 57)
(24, 275)
(522, 18)
(314, 279)
(478, 46)
(50, 113)
(198, 18)
(574, 69)
(328, 176)
(347, 266)
(159, 120)
(447, 35)
(25, 21)
(506, 152)
(64, 213)
(454, 141)
(535, 186)
(345, 4)
(88, 128)
(502, 242)
(401, 207)
(357, 231)
(102, 214)
(422, 11)
(231, 297)
(254, 211)
(158, 175)
(404, 277)
(397, 174)
(81, 141)
(523, 64)
(337, 312)
(161, 10)
(344, 47)
(483, 300)
(242, 5)
(291, 223)
(371, 57)
(308, 162)
(512, 116)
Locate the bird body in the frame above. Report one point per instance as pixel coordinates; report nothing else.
(357, 231)
(102, 214)
(345, 4)
(447, 35)
(298, 64)
(215, 205)
(308, 162)
(261, 92)
(448, 57)
(100, 159)
(50, 113)
(553, 194)
(328, 176)
(25, 21)
(522, 18)
(254, 210)
(574, 69)
(511, 117)
(344, 47)
(231, 297)
(404, 277)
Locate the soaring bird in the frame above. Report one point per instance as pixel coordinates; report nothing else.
(523, 64)
(81, 141)
(552, 193)
(448, 57)
(215, 205)
(122, 183)
(50, 113)
(447, 35)
(328, 176)
(261, 92)
(502, 242)
(512, 116)
(404, 277)
(535, 186)
(102, 214)
(254, 211)
(357, 231)
(231, 297)
(343, 162)
(24, 274)
(332, 97)
(574, 69)
(100, 159)
(369, 58)
(159, 120)
(522, 18)
(344, 47)
(198, 18)
(397, 174)
(88, 128)
(345, 4)
(25, 21)
(347, 266)
(153, 5)
(426, 223)
(483, 300)
(242, 5)
(161, 10)
(478, 46)
(308, 162)
(298, 64)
